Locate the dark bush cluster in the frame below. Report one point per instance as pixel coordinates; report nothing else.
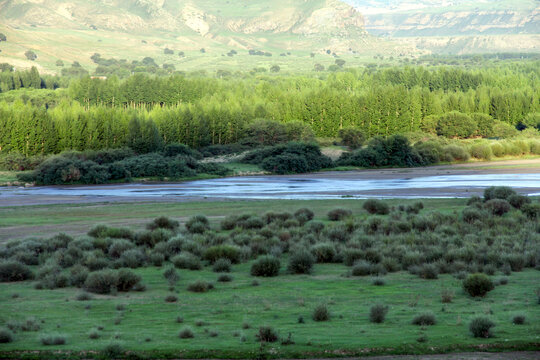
(266, 266)
(477, 285)
(289, 158)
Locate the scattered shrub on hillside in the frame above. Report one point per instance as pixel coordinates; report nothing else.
(377, 313)
(301, 262)
(113, 350)
(222, 265)
(171, 298)
(230, 252)
(83, 296)
(187, 260)
(266, 266)
(198, 224)
(498, 207)
(374, 206)
(378, 281)
(304, 215)
(428, 271)
(321, 313)
(447, 296)
(480, 327)
(424, 319)
(498, 192)
(200, 286)
(532, 211)
(267, 334)
(324, 252)
(518, 201)
(186, 333)
(225, 278)
(127, 280)
(338, 214)
(6, 336)
(163, 222)
(11, 271)
(101, 282)
(519, 319)
(477, 285)
(53, 340)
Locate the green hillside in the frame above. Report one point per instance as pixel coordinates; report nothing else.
(287, 32)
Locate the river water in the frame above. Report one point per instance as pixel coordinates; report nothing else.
(309, 186)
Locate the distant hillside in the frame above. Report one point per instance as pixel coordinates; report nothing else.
(73, 30)
(456, 26)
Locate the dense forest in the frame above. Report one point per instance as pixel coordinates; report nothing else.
(100, 113)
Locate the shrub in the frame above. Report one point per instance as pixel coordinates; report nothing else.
(338, 214)
(480, 327)
(470, 215)
(222, 265)
(374, 206)
(171, 298)
(324, 252)
(83, 296)
(498, 207)
(424, 319)
(301, 262)
(101, 282)
(447, 296)
(93, 334)
(532, 211)
(171, 275)
(11, 271)
(53, 340)
(304, 215)
(498, 192)
(6, 336)
(477, 285)
(200, 286)
(78, 275)
(266, 266)
(377, 313)
(519, 319)
(133, 258)
(186, 333)
(127, 280)
(225, 278)
(378, 281)
(266, 334)
(163, 222)
(428, 271)
(230, 252)
(198, 224)
(156, 259)
(113, 351)
(187, 260)
(481, 151)
(321, 313)
(518, 201)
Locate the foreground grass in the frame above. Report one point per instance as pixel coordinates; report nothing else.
(149, 323)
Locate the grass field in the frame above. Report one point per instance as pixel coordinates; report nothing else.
(225, 320)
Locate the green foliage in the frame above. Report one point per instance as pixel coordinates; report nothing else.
(456, 125)
(377, 313)
(425, 319)
(186, 333)
(498, 192)
(101, 282)
(477, 285)
(6, 336)
(321, 313)
(374, 206)
(339, 214)
(53, 339)
(14, 271)
(228, 252)
(301, 262)
(267, 334)
(266, 266)
(351, 137)
(222, 265)
(200, 286)
(480, 327)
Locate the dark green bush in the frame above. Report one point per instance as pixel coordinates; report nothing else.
(186, 333)
(133, 258)
(187, 260)
(304, 215)
(477, 285)
(498, 192)
(425, 319)
(171, 275)
(200, 286)
(171, 298)
(301, 262)
(101, 282)
(230, 252)
(374, 206)
(518, 201)
(6, 336)
(222, 265)
(338, 214)
(112, 351)
(53, 340)
(498, 207)
(127, 280)
(351, 137)
(267, 334)
(480, 327)
(163, 222)
(225, 278)
(14, 271)
(266, 266)
(428, 271)
(321, 313)
(324, 252)
(531, 210)
(198, 224)
(377, 313)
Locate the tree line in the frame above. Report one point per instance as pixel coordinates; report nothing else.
(200, 111)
